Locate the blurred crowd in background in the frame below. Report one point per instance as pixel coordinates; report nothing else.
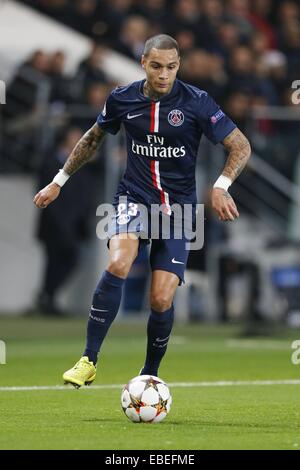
(227, 46)
(246, 54)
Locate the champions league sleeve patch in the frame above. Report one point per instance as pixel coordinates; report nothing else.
(216, 117)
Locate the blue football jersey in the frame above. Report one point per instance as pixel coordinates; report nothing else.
(163, 139)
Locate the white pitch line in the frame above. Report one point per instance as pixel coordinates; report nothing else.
(257, 344)
(224, 383)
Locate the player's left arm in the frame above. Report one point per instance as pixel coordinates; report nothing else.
(239, 152)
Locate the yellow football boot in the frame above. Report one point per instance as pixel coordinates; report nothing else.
(83, 373)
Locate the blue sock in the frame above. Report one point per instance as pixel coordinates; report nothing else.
(158, 330)
(105, 306)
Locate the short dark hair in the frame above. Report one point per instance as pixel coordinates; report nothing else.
(161, 42)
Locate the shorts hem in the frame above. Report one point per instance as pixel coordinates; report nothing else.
(181, 278)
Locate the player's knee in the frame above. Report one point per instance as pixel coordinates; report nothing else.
(119, 267)
(160, 301)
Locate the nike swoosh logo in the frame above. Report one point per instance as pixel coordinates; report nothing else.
(160, 340)
(132, 116)
(98, 309)
(176, 262)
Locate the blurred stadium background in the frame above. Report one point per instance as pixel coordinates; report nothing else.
(59, 60)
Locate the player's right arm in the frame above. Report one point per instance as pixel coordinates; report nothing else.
(85, 149)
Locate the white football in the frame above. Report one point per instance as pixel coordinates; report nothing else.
(146, 399)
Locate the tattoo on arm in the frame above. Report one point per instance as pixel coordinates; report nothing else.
(239, 153)
(226, 195)
(85, 149)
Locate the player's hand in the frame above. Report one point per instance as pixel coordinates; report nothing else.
(224, 205)
(46, 195)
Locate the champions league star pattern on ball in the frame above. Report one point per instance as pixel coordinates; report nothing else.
(147, 399)
(163, 138)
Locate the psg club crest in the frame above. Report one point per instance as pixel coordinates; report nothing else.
(176, 117)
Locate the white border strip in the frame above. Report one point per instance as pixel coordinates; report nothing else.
(156, 116)
(156, 170)
(157, 174)
(233, 383)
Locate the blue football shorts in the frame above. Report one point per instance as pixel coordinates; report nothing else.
(169, 244)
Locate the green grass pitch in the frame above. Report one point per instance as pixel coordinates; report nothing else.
(208, 415)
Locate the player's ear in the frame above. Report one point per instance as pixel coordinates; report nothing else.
(143, 61)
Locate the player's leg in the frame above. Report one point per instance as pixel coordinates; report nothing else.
(160, 323)
(123, 249)
(168, 260)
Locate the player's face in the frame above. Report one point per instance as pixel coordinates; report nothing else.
(161, 68)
